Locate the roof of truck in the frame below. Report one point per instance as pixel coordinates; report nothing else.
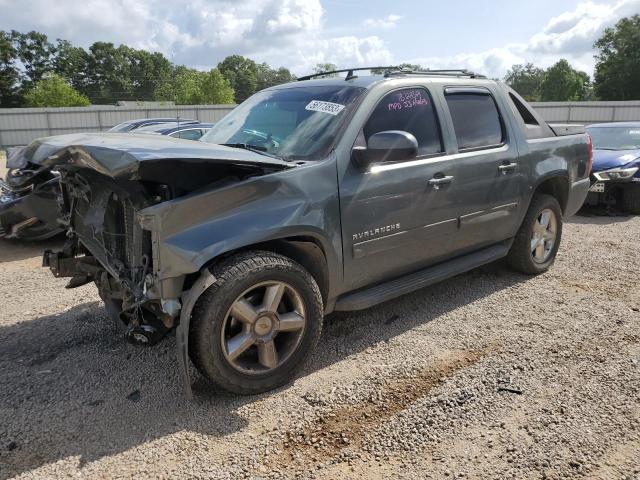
(369, 81)
(354, 77)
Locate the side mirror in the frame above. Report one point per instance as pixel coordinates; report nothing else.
(387, 146)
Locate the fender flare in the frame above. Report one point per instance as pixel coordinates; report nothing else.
(189, 299)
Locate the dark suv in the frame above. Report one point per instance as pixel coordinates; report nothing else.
(310, 197)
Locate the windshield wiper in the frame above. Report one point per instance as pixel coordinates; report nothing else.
(253, 148)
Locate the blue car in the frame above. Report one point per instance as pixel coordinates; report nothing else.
(615, 174)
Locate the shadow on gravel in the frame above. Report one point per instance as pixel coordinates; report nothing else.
(71, 387)
(15, 250)
(599, 216)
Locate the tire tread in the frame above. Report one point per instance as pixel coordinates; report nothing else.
(229, 271)
(519, 257)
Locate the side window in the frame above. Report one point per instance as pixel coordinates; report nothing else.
(194, 134)
(476, 120)
(410, 110)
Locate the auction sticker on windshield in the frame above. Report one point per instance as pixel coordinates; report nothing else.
(324, 107)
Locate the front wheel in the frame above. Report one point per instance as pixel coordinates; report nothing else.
(536, 244)
(255, 327)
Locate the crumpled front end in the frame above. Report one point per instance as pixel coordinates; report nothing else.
(29, 204)
(105, 184)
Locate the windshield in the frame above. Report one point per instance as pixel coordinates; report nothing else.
(615, 138)
(293, 123)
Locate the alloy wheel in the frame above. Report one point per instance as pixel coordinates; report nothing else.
(263, 327)
(543, 237)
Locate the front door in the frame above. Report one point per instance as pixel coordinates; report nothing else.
(398, 217)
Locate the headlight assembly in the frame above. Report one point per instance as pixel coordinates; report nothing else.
(616, 174)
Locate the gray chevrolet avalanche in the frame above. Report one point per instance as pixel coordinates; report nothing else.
(310, 197)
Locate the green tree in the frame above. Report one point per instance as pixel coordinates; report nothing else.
(268, 77)
(526, 80)
(109, 74)
(563, 83)
(54, 91)
(325, 67)
(191, 87)
(35, 53)
(242, 74)
(147, 70)
(216, 89)
(71, 63)
(617, 72)
(9, 73)
(410, 66)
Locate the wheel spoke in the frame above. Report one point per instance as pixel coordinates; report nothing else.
(534, 243)
(244, 312)
(267, 354)
(291, 322)
(549, 235)
(273, 297)
(537, 227)
(540, 251)
(544, 219)
(239, 344)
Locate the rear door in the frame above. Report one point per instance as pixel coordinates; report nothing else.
(395, 217)
(489, 175)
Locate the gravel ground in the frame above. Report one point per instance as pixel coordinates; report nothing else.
(488, 375)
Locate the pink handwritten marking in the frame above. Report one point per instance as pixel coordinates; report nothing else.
(408, 99)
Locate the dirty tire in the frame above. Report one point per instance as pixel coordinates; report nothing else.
(631, 199)
(234, 276)
(520, 257)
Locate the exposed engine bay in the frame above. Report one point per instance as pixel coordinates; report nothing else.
(110, 244)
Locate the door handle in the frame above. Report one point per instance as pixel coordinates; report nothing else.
(437, 182)
(507, 167)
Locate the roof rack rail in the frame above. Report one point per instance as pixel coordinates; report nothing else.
(450, 72)
(349, 71)
(391, 71)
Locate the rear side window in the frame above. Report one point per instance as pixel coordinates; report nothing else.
(410, 110)
(194, 134)
(475, 119)
(525, 113)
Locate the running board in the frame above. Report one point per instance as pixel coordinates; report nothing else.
(369, 297)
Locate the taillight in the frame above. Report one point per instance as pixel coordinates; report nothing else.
(590, 148)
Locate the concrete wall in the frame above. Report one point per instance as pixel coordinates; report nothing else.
(588, 112)
(19, 126)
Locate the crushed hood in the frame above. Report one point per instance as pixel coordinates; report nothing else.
(607, 159)
(122, 155)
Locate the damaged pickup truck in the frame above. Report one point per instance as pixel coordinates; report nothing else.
(310, 197)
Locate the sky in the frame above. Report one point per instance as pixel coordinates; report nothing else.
(485, 36)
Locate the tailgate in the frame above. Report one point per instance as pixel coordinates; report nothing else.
(562, 129)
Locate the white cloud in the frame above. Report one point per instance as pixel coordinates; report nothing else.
(390, 21)
(292, 33)
(348, 51)
(200, 33)
(570, 35)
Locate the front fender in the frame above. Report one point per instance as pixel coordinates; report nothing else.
(189, 232)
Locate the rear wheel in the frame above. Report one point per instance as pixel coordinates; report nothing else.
(631, 199)
(257, 324)
(536, 244)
